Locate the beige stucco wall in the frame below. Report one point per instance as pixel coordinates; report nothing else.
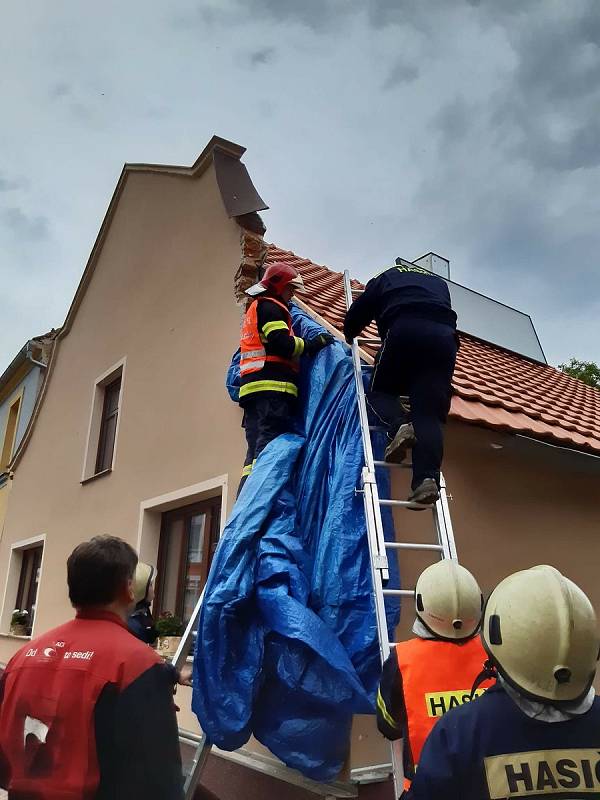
(161, 297)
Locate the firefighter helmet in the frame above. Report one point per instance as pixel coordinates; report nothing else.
(277, 276)
(448, 600)
(540, 631)
(142, 580)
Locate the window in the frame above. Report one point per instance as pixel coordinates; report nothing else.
(10, 434)
(105, 420)
(108, 425)
(188, 539)
(31, 561)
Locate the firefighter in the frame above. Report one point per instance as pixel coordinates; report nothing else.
(141, 621)
(426, 676)
(536, 733)
(417, 326)
(270, 360)
(86, 710)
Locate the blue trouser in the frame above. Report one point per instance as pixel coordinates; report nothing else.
(417, 359)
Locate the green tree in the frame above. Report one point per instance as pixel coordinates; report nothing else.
(586, 371)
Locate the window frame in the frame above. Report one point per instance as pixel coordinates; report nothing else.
(10, 437)
(103, 462)
(13, 576)
(97, 424)
(212, 508)
(36, 553)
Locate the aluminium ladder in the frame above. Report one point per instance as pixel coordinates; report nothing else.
(378, 546)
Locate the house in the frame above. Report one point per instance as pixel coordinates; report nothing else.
(133, 433)
(20, 384)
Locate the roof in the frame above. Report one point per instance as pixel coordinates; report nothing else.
(22, 357)
(493, 387)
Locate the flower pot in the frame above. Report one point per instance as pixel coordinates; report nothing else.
(167, 645)
(18, 630)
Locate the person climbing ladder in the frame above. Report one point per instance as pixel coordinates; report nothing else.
(417, 326)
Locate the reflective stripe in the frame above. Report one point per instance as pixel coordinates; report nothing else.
(247, 470)
(269, 386)
(252, 354)
(277, 325)
(298, 347)
(252, 366)
(386, 714)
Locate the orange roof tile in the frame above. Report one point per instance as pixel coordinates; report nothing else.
(493, 387)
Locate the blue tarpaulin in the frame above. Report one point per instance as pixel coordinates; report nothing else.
(287, 644)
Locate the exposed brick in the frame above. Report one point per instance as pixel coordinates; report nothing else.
(254, 250)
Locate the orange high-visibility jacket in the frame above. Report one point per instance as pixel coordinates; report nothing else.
(261, 370)
(437, 675)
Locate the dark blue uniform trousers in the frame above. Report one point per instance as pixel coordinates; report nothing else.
(417, 359)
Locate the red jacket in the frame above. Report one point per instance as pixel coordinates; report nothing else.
(86, 713)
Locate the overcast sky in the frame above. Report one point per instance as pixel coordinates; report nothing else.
(374, 129)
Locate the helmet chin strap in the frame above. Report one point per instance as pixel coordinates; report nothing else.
(489, 672)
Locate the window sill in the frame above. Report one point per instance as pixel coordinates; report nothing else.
(14, 636)
(97, 475)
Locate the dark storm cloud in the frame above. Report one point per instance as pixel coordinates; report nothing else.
(60, 89)
(10, 184)
(452, 121)
(401, 72)
(550, 106)
(262, 56)
(23, 226)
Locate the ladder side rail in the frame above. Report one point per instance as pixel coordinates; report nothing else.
(362, 406)
(371, 506)
(443, 524)
(375, 535)
(204, 747)
(199, 762)
(445, 511)
(369, 475)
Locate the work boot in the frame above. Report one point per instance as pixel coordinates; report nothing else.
(404, 440)
(426, 493)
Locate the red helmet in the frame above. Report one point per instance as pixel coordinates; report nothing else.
(277, 276)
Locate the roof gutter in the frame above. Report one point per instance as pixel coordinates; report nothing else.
(558, 446)
(31, 359)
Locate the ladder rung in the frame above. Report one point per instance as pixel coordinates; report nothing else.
(414, 546)
(398, 592)
(368, 340)
(377, 428)
(404, 465)
(367, 366)
(354, 290)
(403, 504)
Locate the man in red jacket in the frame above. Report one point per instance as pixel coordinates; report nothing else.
(86, 710)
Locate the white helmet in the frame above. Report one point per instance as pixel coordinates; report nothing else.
(448, 600)
(540, 631)
(142, 580)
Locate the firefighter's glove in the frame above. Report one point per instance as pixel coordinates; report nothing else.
(312, 346)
